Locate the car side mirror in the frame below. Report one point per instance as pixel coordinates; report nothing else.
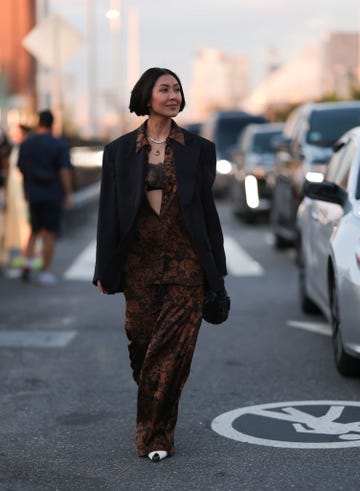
(325, 191)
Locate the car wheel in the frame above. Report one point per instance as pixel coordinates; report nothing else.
(249, 218)
(280, 242)
(307, 305)
(346, 364)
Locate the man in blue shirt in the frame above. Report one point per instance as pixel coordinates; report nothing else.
(46, 167)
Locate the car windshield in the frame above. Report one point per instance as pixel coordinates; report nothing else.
(262, 142)
(229, 129)
(327, 126)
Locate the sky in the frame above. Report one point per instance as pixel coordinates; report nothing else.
(172, 32)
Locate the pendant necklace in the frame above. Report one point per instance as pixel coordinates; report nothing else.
(157, 142)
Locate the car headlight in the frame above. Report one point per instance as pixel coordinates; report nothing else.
(223, 167)
(314, 176)
(252, 192)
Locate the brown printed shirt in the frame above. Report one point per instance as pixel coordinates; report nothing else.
(161, 252)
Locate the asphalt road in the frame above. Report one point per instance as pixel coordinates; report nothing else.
(67, 413)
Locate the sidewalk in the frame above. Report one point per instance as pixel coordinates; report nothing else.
(83, 200)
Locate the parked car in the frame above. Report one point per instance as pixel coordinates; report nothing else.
(303, 154)
(328, 246)
(224, 128)
(253, 159)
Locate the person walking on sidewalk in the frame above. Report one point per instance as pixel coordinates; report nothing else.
(159, 241)
(46, 167)
(5, 151)
(16, 211)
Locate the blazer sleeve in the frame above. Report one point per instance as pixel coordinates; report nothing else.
(215, 235)
(108, 230)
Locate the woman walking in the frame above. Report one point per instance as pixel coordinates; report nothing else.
(159, 241)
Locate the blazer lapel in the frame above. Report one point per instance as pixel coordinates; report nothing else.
(186, 162)
(131, 183)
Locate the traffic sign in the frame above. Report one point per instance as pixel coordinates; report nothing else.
(53, 41)
(296, 424)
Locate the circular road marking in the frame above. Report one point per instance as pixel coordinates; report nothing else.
(296, 424)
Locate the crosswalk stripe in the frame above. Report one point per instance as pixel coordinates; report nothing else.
(239, 262)
(83, 266)
(35, 338)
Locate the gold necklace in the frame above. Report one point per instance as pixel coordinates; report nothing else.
(157, 152)
(158, 142)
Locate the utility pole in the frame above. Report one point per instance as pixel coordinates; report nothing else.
(92, 78)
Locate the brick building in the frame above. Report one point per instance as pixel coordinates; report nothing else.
(17, 66)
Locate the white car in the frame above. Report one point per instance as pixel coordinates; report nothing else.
(328, 245)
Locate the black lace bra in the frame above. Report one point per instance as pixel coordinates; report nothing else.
(155, 177)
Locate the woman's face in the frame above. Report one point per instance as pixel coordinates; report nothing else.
(166, 97)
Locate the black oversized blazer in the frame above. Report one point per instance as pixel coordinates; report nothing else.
(122, 193)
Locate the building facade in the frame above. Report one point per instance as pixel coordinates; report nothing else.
(341, 68)
(327, 69)
(17, 66)
(219, 81)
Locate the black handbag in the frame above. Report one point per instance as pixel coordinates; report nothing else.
(216, 306)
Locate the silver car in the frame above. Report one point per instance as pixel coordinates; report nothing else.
(328, 246)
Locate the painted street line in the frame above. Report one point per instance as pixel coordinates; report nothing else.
(296, 424)
(239, 262)
(83, 266)
(36, 339)
(317, 327)
(269, 239)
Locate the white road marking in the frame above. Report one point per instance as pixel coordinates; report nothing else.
(83, 266)
(36, 339)
(293, 424)
(269, 239)
(318, 327)
(239, 262)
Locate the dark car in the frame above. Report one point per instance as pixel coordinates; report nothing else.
(254, 159)
(303, 154)
(224, 128)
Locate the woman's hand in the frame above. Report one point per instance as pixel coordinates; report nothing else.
(100, 288)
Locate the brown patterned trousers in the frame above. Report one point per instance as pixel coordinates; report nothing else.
(162, 325)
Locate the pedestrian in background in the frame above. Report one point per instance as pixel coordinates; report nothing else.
(5, 150)
(16, 226)
(159, 241)
(45, 164)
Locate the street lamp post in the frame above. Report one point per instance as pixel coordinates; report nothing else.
(114, 14)
(92, 78)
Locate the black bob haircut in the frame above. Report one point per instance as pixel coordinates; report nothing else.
(141, 93)
(46, 119)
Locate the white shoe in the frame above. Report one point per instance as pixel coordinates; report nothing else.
(158, 455)
(44, 279)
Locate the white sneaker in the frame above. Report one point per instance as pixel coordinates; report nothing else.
(45, 278)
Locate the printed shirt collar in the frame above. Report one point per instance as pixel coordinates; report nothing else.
(176, 134)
